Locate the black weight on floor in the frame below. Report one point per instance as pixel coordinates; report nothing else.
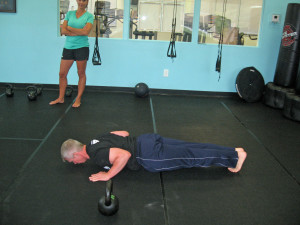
(39, 89)
(31, 93)
(9, 90)
(141, 90)
(291, 108)
(274, 95)
(250, 84)
(69, 91)
(289, 53)
(108, 205)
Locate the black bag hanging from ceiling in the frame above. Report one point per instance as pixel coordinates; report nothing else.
(298, 81)
(289, 53)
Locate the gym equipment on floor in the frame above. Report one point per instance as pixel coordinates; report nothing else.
(31, 92)
(250, 84)
(9, 90)
(108, 205)
(69, 91)
(289, 53)
(141, 90)
(291, 109)
(274, 95)
(39, 89)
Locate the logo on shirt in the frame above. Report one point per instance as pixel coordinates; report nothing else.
(94, 142)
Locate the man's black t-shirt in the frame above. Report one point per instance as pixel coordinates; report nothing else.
(98, 149)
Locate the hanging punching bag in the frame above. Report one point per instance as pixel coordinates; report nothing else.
(298, 81)
(289, 53)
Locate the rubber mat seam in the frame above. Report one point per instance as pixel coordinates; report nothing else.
(160, 174)
(21, 139)
(153, 116)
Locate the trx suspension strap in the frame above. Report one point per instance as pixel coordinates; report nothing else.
(172, 50)
(220, 45)
(96, 56)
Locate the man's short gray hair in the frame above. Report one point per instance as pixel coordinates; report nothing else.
(69, 147)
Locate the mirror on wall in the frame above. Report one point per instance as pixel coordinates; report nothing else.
(109, 14)
(152, 19)
(241, 22)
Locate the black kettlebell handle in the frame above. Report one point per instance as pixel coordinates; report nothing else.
(9, 86)
(31, 88)
(108, 192)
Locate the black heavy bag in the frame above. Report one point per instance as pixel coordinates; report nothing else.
(274, 95)
(291, 107)
(289, 53)
(250, 84)
(298, 81)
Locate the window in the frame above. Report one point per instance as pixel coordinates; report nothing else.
(110, 16)
(152, 19)
(241, 22)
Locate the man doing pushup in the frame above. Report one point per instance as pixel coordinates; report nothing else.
(151, 151)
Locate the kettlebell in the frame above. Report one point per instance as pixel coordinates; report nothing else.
(31, 93)
(108, 205)
(39, 89)
(9, 90)
(69, 91)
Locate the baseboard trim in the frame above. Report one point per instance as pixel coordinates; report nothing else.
(153, 91)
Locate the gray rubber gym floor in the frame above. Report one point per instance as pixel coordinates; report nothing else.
(38, 188)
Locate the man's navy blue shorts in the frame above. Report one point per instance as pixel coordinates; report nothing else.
(79, 54)
(156, 153)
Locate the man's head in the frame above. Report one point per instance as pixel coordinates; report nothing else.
(72, 151)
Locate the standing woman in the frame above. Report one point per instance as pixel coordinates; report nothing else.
(77, 26)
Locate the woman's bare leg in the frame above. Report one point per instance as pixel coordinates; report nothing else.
(242, 157)
(81, 67)
(65, 66)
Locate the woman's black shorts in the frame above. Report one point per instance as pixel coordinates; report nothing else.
(79, 54)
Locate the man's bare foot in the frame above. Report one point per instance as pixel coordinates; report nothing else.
(76, 104)
(60, 101)
(242, 157)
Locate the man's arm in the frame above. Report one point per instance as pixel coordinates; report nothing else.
(81, 32)
(118, 158)
(120, 133)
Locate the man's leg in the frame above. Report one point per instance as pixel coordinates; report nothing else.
(187, 154)
(163, 154)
